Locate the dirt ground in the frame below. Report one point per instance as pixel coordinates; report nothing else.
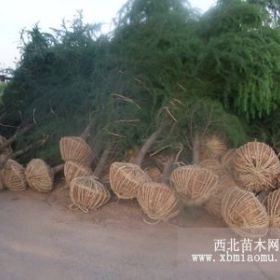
(41, 238)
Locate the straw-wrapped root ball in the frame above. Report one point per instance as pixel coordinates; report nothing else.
(214, 165)
(1, 183)
(75, 149)
(214, 204)
(154, 173)
(158, 201)
(212, 147)
(13, 176)
(126, 178)
(39, 176)
(226, 160)
(74, 169)
(88, 193)
(255, 166)
(273, 209)
(244, 213)
(194, 184)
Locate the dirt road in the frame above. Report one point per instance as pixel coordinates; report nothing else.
(40, 238)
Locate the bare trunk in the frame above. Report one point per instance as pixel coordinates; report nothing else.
(58, 168)
(195, 148)
(4, 160)
(166, 170)
(86, 133)
(102, 162)
(147, 145)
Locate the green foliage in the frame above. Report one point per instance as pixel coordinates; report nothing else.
(2, 88)
(244, 53)
(211, 73)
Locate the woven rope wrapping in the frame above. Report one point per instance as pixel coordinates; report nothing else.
(212, 147)
(126, 178)
(154, 173)
(158, 201)
(255, 166)
(214, 165)
(1, 182)
(273, 208)
(13, 176)
(75, 149)
(73, 170)
(194, 183)
(244, 214)
(87, 193)
(214, 204)
(39, 176)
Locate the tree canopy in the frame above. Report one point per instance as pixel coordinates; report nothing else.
(163, 62)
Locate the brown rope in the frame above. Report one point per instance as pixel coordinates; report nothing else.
(76, 149)
(194, 184)
(126, 178)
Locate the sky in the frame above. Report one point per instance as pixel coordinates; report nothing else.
(16, 15)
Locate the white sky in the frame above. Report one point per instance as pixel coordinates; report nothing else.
(18, 14)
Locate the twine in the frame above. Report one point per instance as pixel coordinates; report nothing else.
(150, 223)
(78, 207)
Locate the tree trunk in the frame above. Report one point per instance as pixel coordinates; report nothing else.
(102, 162)
(58, 168)
(196, 148)
(86, 133)
(166, 170)
(147, 145)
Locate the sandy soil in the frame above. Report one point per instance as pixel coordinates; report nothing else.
(41, 238)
